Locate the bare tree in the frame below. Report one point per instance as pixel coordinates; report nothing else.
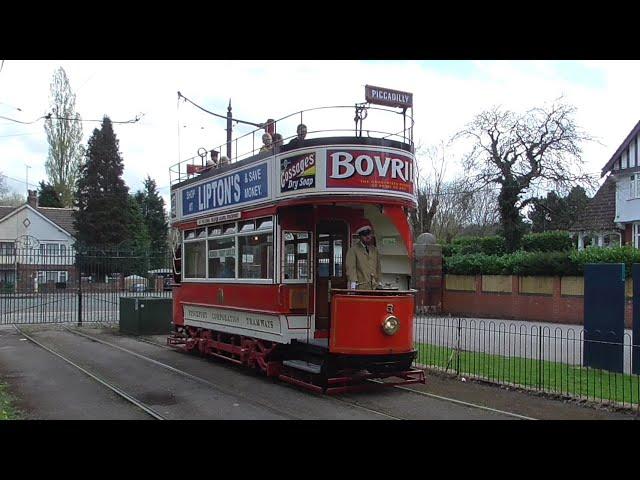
(429, 186)
(446, 207)
(64, 133)
(4, 189)
(523, 151)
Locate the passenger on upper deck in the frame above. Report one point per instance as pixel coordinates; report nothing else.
(267, 143)
(302, 133)
(363, 262)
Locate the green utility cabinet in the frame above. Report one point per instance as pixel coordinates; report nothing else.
(145, 315)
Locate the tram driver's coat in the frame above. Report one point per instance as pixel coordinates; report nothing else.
(363, 267)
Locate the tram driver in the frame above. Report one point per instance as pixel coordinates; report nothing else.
(363, 261)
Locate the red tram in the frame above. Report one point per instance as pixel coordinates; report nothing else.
(262, 238)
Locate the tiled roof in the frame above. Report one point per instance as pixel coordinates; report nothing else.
(60, 216)
(621, 148)
(63, 217)
(4, 211)
(600, 211)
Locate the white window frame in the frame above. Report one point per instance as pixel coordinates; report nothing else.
(634, 186)
(236, 235)
(636, 235)
(310, 258)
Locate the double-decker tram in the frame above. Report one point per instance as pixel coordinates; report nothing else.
(262, 267)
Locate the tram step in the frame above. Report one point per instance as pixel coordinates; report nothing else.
(302, 365)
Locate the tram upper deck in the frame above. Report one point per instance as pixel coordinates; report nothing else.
(323, 163)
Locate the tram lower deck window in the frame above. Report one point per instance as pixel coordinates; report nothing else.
(222, 258)
(195, 259)
(256, 256)
(296, 255)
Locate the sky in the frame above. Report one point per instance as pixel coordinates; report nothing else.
(447, 95)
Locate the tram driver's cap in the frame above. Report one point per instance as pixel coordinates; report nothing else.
(364, 228)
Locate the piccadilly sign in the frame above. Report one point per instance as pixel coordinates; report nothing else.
(356, 169)
(388, 97)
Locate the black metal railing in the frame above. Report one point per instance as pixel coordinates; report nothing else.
(64, 285)
(528, 355)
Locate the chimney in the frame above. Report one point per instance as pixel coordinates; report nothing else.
(32, 198)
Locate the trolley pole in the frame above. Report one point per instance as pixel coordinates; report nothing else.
(229, 131)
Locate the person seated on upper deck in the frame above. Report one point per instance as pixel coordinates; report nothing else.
(301, 134)
(363, 262)
(267, 143)
(277, 141)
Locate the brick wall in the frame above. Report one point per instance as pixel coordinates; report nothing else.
(554, 308)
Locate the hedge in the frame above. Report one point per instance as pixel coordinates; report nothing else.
(547, 242)
(493, 245)
(523, 263)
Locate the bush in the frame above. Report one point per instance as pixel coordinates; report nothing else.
(518, 263)
(547, 242)
(627, 255)
(568, 263)
(493, 245)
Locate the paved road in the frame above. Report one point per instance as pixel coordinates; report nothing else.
(554, 342)
(238, 393)
(50, 389)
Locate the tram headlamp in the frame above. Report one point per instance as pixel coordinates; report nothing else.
(390, 325)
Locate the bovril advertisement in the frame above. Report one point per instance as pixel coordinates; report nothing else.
(298, 172)
(351, 168)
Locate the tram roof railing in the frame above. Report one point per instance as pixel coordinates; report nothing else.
(378, 120)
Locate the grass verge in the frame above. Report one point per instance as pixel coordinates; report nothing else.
(7, 410)
(553, 377)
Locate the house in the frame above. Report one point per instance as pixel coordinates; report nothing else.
(36, 246)
(612, 217)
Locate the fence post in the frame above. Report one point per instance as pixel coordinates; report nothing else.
(539, 357)
(458, 348)
(79, 270)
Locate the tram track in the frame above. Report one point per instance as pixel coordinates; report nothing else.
(183, 373)
(396, 387)
(211, 384)
(129, 398)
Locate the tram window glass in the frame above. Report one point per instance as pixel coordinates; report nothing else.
(247, 226)
(201, 233)
(190, 234)
(296, 248)
(337, 258)
(229, 228)
(264, 223)
(222, 258)
(324, 260)
(256, 255)
(194, 259)
(215, 231)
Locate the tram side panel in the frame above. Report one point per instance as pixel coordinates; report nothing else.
(269, 312)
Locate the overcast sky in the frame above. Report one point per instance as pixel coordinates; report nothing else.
(447, 94)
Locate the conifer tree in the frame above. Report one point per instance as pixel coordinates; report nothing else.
(103, 218)
(152, 210)
(48, 196)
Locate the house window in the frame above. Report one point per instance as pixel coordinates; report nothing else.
(611, 240)
(7, 248)
(636, 235)
(634, 186)
(625, 158)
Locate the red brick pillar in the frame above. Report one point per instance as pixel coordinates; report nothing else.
(427, 276)
(557, 298)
